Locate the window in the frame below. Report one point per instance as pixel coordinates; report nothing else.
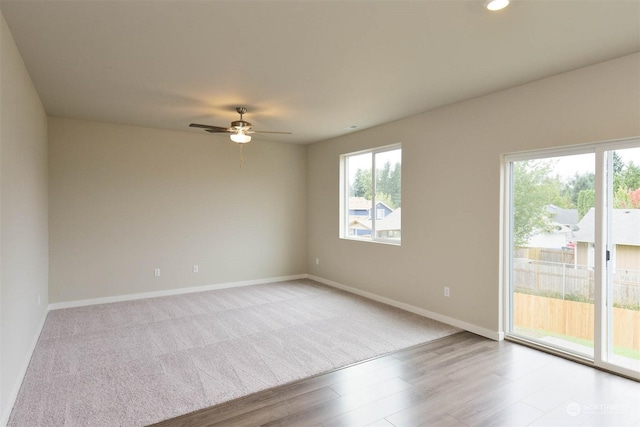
(370, 195)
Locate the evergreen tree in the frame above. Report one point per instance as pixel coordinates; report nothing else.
(586, 200)
(361, 186)
(576, 184)
(388, 184)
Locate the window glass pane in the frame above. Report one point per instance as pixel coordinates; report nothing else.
(623, 278)
(388, 194)
(552, 277)
(359, 200)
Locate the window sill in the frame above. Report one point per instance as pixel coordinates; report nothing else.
(381, 242)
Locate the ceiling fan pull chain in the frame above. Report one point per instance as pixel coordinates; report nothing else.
(240, 145)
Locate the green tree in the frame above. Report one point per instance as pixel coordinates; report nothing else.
(618, 164)
(625, 198)
(625, 176)
(576, 184)
(361, 186)
(586, 200)
(533, 189)
(618, 167)
(388, 182)
(626, 183)
(629, 177)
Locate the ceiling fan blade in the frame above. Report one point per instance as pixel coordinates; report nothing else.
(209, 128)
(266, 131)
(219, 130)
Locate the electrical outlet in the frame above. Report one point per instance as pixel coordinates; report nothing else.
(317, 261)
(195, 269)
(156, 272)
(447, 292)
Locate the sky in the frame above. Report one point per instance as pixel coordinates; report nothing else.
(364, 161)
(568, 166)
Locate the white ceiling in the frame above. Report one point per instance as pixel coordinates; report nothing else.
(310, 67)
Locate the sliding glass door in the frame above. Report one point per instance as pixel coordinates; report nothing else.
(572, 251)
(552, 282)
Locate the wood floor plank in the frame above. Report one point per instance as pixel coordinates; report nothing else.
(443, 397)
(460, 380)
(518, 414)
(320, 413)
(493, 401)
(279, 410)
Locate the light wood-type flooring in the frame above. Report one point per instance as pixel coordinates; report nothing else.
(459, 380)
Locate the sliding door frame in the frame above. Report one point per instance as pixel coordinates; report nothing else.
(603, 200)
(603, 333)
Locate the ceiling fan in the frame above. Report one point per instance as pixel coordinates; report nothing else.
(240, 130)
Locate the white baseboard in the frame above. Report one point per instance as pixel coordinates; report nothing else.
(11, 401)
(169, 292)
(487, 333)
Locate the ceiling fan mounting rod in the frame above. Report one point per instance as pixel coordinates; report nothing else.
(241, 124)
(241, 111)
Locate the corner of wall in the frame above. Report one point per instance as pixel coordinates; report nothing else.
(23, 219)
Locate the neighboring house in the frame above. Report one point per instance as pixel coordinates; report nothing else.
(625, 253)
(360, 216)
(359, 206)
(567, 217)
(563, 226)
(390, 226)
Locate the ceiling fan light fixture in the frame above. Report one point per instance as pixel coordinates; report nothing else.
(240, 137)
(240, 130)
(494, 5)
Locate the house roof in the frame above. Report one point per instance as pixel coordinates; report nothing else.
(165, 64)
(563, 216)
(626, 227)
(359, 223)
(390, 222)
(359, 203)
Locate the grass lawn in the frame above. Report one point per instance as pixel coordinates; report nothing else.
(620, 351)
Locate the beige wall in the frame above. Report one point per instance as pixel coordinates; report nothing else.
(23, 217)
(125, 200)
(451, 186)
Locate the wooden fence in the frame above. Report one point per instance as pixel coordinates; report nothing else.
(543, 278)
(565, 256)
(573, 319)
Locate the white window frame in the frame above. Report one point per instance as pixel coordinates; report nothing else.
(344, 195)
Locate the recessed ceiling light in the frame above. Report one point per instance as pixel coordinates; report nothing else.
(496, 4)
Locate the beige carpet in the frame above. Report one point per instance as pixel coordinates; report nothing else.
(138, 362)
